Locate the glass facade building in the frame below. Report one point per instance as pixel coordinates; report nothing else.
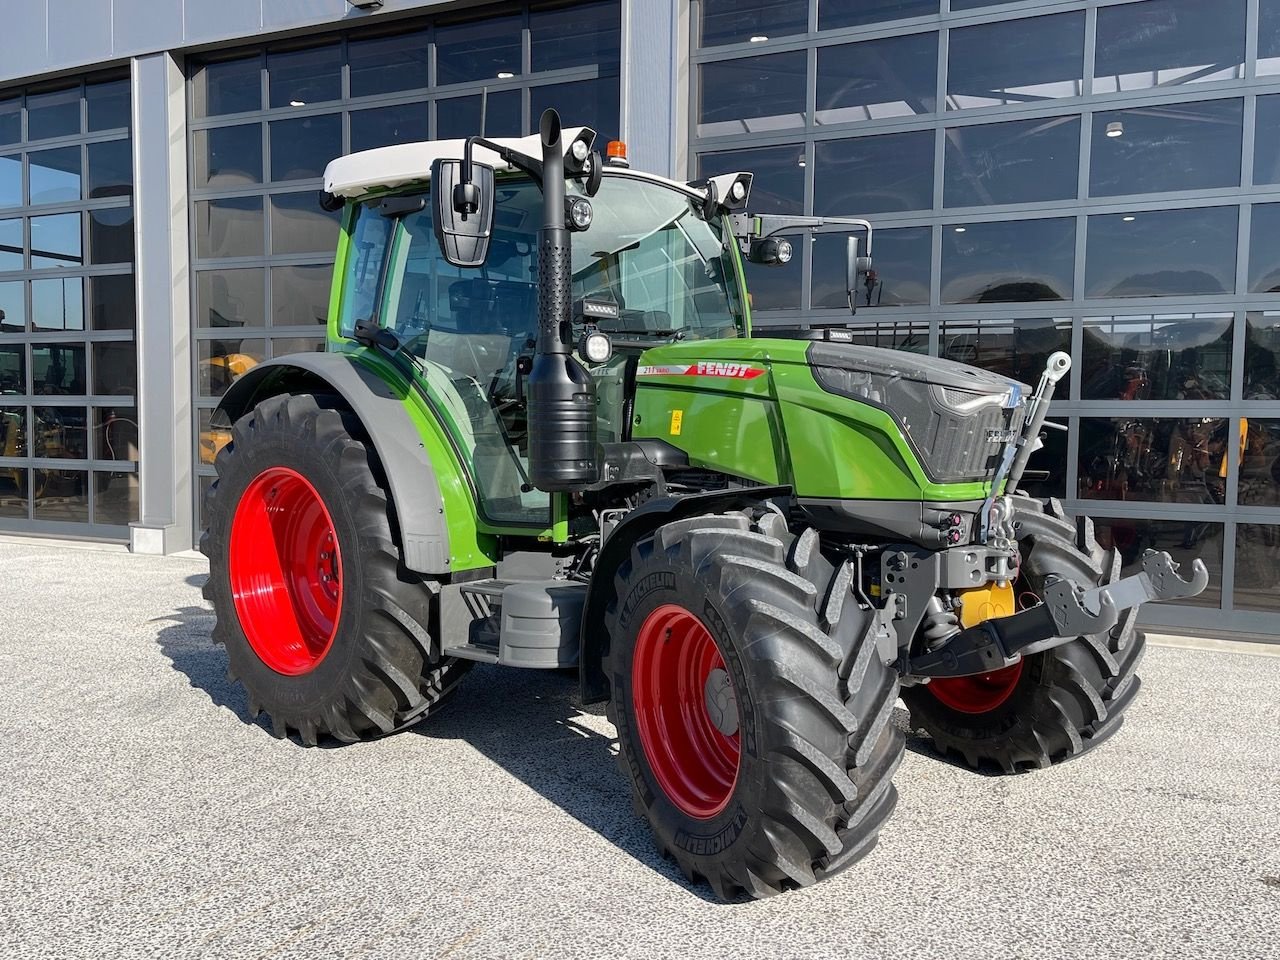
(1095, 176)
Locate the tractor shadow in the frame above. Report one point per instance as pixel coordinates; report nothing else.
(922, 745)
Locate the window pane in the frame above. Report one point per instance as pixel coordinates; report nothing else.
(301, 148)
(1026, 161)
(1165, 253)
(55, 241)
(1259, 463)
(595, 102)
(779, 175)
(387, 64)
(115, 368)
(1008, 262)
(483, 50)
(777, 286)
(57, 304)
(115, 433)
(15, 482)
(11, 120)
(459, 117)
(976, 4)
(299, 225)
(13, 375)
(55, 175)
(13, 309)
(111, 235)
(230, 298)
(360, 286)
(58, 368)
(874, 174)
(1011, 348)
(752, 94)
(11, 244)
(110, 169)
(383, 126)
(896, 77)
(11, 181)
(1162, 357)
(1261, 355)
(1164, 42)
(300, 295)
(853, 13)
(53, 114)
(577, 35)
(1257, 565)
(112, 303)
(229, 228)
(61, 495)
(739, 21)
(283, 346)
(115, 498)
(1266, 151)
(1268, 37)
(232, 86)
(902, 259)
(1185, 541)
(1181, 146)
(297, 78)
(223, 362)
(1039, 59)
(108, 104)
(1264, 249)
(228, 156)
(1161, 461)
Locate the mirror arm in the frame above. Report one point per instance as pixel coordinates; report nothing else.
(748, 227)
(520, 161)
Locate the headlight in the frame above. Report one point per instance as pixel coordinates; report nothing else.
(595, 347)
(580, 214)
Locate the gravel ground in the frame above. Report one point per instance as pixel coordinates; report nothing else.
(142, 816)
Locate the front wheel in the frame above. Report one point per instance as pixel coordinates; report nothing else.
(753, 713)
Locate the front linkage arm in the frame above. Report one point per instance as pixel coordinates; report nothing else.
(1068, 611)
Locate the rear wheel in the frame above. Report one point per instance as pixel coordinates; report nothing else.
(1050, 706)
(753, 714)
(323, 625)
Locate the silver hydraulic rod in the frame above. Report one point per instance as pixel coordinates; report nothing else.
(1038, 408)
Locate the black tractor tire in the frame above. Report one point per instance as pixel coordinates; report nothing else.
(814, 699)
(1067, 700)
(382, 671)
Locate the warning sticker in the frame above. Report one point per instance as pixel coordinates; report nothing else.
(677, 421)
(705, 368)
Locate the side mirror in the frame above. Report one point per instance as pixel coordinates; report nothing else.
(858, 273)
(462, 213)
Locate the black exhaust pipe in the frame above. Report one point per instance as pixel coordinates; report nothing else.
(561, 394)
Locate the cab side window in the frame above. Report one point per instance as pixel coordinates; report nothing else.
(370, 236)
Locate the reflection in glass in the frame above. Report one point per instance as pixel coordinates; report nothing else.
(1012, 348)
(11, 244)
(577, 35)
(776, 287)
(229, 228)
(459, 117)
(1025, 161)
(1157, 357)
(387, 64)
(833, 14)
(112, 302)
(10, 120)
(752, 94)
(299, 225)
(1166, 461)
(1184, 540)
(1262, 355)
(13, 372)
(115, 368)
(778, 186)
(1259, 462)
(57, 304)
(297, 78)
(301, 148)
(300, 295)
(1046, 473)
(1008, 261)
(61, 495)
(53, 114)
(230, 86)
(1179, 146)
(283, 346)
(228, 156)
(594, 102)
(482, 50)
(879, 174)
(11, 181)
(1257, 567)
(739, 21)
(111, 235)
(902, 260)
(54, 175)
(1162, 253)
(110, 171)
(58, 369)
(1268, 37)
(56, 242)
(1164, 42)
(1041, 58)
(108, 104)
(383, 126)
(894, 77)
(13, 309)
(1264, 249)
(221, 363)
(115, 498)
(1266, 140)
(230, 298)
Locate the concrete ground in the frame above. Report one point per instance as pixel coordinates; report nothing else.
(140, 815)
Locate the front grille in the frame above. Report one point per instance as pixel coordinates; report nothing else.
(958, 448)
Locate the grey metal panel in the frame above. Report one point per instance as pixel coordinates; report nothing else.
(78, 29)
(25, 39)
(282, 14)
(206, 22)
(145, 25)
(649, 86)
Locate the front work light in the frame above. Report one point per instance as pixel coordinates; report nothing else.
(595, 347)
(580, 214)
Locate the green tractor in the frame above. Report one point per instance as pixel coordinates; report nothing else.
(544, 436)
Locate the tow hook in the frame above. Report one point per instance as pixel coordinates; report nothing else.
(1068, 611)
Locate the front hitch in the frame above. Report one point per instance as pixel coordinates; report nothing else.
(1068, 611)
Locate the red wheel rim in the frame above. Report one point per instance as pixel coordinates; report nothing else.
(679, 679)
(286, 571)
(979, 693)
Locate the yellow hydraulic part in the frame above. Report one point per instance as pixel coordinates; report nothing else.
(986, 603)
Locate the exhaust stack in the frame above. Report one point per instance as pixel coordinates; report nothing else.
(561, 393)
